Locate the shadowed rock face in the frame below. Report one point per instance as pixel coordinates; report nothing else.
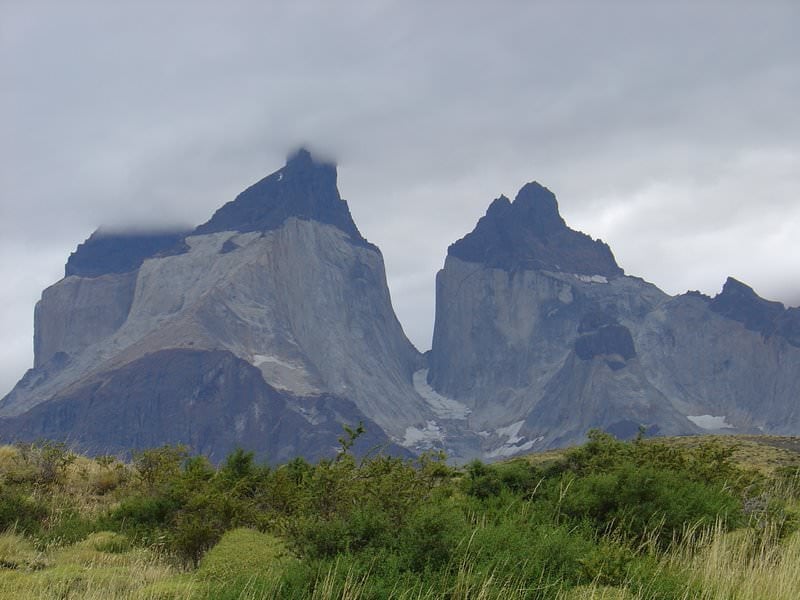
(612, 340)
(105, 252)
(739, 302)
(529, 233)
(212, 402)
(600, 335)
(788, 325)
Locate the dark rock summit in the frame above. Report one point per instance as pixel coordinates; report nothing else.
(304, 188)
(108, 252)
(740, 302)
(529, 233)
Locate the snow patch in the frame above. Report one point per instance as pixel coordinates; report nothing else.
(424, 437)
(592, 278)
(710, 422)
(443, 407)
(512, 444)
(511, 432)
(505, 450)
(260, 359)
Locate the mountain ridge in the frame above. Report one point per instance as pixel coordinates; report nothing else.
(539, 336)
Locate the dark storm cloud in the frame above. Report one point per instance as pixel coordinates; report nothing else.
(668, 129)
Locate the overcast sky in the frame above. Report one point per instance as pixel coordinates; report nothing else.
(671, 130)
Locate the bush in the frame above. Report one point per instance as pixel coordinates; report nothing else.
(431, 535)
(142, 516)
(20, 512)
(156, 467)
(639, 502)
(66, 527)
(482, 480)
(244, 553)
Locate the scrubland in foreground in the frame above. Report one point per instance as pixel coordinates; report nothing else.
(705, 518)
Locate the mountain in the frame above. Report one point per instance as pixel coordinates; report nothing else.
(542, 336)
(270, 326)
(255, 328)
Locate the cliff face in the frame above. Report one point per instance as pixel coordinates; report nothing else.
(270, 325)
(280, 279)
(210, 400)
(542, 336)
(711, 364)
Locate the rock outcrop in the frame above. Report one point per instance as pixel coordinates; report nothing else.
(211, 400)
(108, 252)
(270, 325)
(279, 279)
(541, 335)
(530, 234)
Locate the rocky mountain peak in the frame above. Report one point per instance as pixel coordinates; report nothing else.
(305, 188)
(301, 165)
(498, 207)
(539, 207)
(530, 233)
(740, 302)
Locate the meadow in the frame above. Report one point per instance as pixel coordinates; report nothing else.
(673, 518)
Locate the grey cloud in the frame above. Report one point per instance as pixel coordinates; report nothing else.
(667, 129)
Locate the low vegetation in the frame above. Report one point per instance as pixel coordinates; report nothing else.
(704, 518)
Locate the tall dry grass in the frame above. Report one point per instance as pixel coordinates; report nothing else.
(746, 564)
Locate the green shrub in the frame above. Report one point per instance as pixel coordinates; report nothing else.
(65, 527)
(519, 476)
(20, 511)
(156, 467)
(431, 535)
(639, 502)
(143, 518)
(244, 553)
(44, 463)
(482, 481)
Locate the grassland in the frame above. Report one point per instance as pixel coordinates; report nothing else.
(677, 518)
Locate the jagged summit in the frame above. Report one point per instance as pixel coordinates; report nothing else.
(741, 303)
(530, 233)
(304, 188)
(538, 205)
